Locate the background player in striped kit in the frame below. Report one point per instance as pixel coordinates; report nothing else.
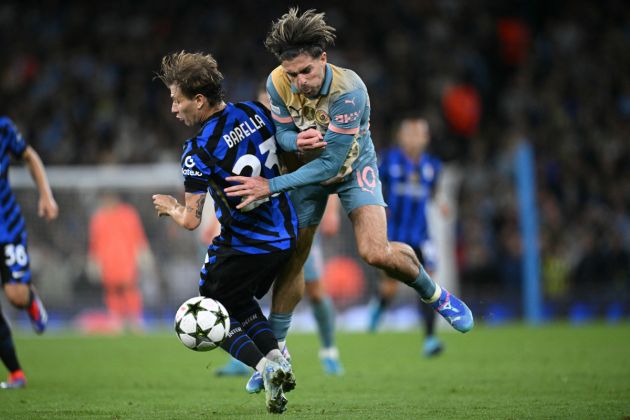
(244, 259)
(409, 175)
(15, 266)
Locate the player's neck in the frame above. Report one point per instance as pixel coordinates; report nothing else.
(413, 155)
(208, 113)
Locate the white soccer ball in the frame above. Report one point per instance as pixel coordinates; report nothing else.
(202, 323)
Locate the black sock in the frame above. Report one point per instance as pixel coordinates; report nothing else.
(7, 348)
(384, 302)
(240, 345)
(256, 326)
(428, 317)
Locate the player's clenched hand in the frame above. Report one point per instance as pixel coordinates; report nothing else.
(250, 188)
(47, 208)
(310, 139)
(164, 204)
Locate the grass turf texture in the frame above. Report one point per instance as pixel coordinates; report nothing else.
(511, 372)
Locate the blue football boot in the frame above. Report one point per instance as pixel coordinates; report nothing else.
(255, 383)
(330, 361)
(454, 311)
(432, 346)
(233, 368)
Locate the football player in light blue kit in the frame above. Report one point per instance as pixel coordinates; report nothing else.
(323, 112)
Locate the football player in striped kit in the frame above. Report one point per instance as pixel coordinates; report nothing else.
(15, 266)
(255, 241)
(409, 175)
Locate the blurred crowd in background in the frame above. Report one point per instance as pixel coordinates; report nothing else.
(78, 79)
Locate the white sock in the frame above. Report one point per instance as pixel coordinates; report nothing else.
(282, 344)
(274, 355)
(260, 366)
(330, 352)
(436, 294)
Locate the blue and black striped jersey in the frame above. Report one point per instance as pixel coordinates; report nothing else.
(407, 187)
(240, 141)
(11, 221)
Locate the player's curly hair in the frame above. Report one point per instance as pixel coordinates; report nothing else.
(193, 73)
(292, 35)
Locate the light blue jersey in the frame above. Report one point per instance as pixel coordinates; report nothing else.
(347, 166)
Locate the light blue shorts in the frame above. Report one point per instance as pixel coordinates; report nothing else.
(359, 188)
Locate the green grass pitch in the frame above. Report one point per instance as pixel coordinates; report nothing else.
(511, 372)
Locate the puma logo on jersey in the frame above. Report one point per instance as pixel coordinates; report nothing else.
(349, 101)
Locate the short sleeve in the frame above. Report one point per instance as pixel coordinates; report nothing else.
(196, 174)
(13, 137)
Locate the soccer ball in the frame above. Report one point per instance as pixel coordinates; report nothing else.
(202, 323)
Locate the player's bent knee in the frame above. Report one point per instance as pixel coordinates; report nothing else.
(374, 258)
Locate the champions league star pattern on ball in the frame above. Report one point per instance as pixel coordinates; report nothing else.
(201, 323)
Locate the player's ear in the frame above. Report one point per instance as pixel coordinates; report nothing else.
(323, 57)
(199, 100)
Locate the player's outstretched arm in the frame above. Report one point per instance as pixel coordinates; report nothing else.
(187, 216)
(47, 206)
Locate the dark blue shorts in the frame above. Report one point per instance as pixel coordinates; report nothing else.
(236, 279)
(15, 265)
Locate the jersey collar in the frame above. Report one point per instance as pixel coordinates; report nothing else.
(327, 81)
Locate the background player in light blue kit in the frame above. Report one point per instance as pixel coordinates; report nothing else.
(321, 304)
(15, 266)
(409, 176)
(323, 112)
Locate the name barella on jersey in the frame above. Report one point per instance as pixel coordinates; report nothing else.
(408, 186)
(240, 141)
(11, 220)
(340, 111)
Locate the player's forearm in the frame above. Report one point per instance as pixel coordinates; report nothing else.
(38, 173)
(319, 170)
(187, 216)
(286, 138)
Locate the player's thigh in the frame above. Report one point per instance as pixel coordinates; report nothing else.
(370, 230)
(309, 202)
